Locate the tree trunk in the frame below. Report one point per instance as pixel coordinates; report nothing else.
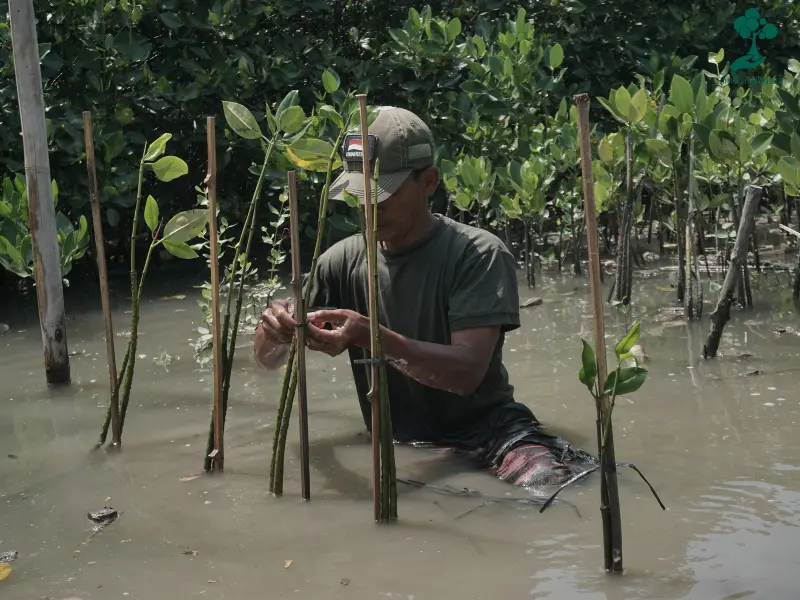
(722, 313)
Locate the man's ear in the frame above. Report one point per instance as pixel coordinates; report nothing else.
(430, 180)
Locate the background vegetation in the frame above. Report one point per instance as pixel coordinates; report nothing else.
(488, 78)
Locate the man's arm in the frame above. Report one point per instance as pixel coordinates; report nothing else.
(458, 368)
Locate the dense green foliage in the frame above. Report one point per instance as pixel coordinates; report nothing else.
(489, 82)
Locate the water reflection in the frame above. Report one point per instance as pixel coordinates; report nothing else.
(718, 445)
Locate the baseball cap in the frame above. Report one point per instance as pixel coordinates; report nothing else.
(401, 142)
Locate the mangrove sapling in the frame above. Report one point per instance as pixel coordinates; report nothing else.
(320, 156)
(623, 380)
(244, 124)
(182, 228)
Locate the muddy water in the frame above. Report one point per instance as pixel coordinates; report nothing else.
(720, 447)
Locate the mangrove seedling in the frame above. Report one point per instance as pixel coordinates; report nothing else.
(623, 380)
(315, 155)
(174, 238)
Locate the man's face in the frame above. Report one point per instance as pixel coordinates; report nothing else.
(398, 214)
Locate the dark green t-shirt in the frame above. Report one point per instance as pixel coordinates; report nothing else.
(459, 277)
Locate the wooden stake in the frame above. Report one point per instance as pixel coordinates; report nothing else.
(100, 250)
(218, 453)
(375, 377)
(722, 313)
(300, 319)
(609, 507)
(41, 210)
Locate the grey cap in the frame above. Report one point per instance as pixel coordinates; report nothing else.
(401, 142)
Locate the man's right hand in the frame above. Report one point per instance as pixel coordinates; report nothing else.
(274, 334)
(277, 321)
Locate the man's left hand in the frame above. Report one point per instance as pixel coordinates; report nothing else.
(349, 329)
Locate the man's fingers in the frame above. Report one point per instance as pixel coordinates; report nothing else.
(335, 317)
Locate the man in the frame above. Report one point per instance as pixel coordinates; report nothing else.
(447, 296)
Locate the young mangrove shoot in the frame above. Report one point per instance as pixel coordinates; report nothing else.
(174, 236)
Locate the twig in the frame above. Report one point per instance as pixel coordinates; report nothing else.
(100, 249)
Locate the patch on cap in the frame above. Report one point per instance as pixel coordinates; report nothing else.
(353, 149)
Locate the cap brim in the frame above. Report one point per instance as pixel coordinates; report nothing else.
(353, 182)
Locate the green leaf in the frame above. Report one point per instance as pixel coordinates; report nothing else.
(453, 29)
(330, 80)
(587, 374)
(313, 155)
(186, 225)
(761, 143)
(556, 56)
(291, 119)
(610, 109)
(794, 66)
(745, 151)
(241, 120)
(681, 94)
(170, 19)
(630, 380)
(638, 108)
(271, 123)
(794, 144)
(151, 213)
(168, 168)
(715, 145)
(605, 151)
(622, 101)
(113, 217)
(351, 199)
(658, 146)
(629, 341)
(787, 167)
(328, 112)
(289, 100)
(180, 249)
(157, 148)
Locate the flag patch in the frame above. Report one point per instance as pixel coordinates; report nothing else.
(353, 148)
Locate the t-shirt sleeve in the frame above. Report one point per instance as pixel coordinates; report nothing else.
(485, 291)
(324, 285)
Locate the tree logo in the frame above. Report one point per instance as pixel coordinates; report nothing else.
(752, 26)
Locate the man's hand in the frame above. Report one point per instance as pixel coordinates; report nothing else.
(277, 322)
(349, 329)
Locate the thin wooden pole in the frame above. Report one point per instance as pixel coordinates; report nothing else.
(41, 210)
(218, 458)
(375, 378)
(300, 319)
(609, 507)
(100, 250)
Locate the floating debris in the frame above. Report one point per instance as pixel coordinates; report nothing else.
(531, 302)
(103, 517)
(8, 556)
(4, 328)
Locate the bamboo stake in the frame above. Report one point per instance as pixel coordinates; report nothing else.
(300, 319)
(609, 507)
(374, 379)
(218, 453)
(100, 250)
(41, 209)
